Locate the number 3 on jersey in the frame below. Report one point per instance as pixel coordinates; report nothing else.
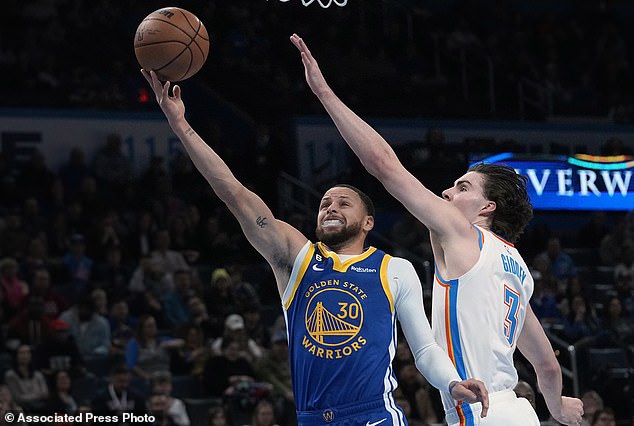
(512, 300)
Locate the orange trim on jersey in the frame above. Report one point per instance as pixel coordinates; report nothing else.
(448, 328)
(340, 266)
(385, 282)
(461, 416)
(496, 236)
(300, 274)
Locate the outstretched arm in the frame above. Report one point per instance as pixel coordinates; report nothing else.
(536, 347)
(277, 241)
(445, 222)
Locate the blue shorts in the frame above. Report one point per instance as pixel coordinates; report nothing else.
(379, 412)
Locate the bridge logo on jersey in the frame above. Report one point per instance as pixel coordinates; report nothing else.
(334, 317)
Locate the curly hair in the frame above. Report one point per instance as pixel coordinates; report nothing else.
(508, 190)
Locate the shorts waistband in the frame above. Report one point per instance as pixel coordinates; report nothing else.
(453, 418)
(332, 414)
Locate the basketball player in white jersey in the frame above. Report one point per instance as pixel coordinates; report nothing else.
(482, 287)
(340, 299)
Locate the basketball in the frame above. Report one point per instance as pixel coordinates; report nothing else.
(173, 42)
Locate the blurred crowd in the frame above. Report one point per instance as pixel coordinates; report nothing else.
(124, 291)
(79, 54)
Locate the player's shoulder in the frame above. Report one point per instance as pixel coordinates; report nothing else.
(400, 263)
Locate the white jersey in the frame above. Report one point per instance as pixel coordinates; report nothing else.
(478, 317)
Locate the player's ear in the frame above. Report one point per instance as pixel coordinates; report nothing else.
(369, 223)
(489, 207)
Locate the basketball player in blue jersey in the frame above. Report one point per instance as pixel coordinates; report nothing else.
(341, 300)
(482, 287)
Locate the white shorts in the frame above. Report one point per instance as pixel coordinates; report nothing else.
(505, 409)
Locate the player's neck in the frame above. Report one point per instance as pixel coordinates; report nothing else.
(347, 248)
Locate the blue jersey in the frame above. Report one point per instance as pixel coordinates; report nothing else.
(342, 329)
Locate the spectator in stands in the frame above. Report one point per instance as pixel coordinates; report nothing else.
(219, 298)
(118, 397)
(175, 302)
(139, 242)
(218, 417)
(544, 299)
(263, 414)
(592, 403)
(36, 257)
(148, 353)
(234, 328)
(99, 299)
(58, 351)
(604, 417)
(150, 276)
(613, 244)
(624, 279)
(192, 357)
(254, 326)
(582, 327)
(157, 406)
(8, 405)
(14, 289)
(122, 326)
(30, 324)
(274, 368)
(112, 273)
(54, 302)
(61, 399)
(403, 402)
(175, 408)
(90, 330)
(171, 260)
(561, 264)
(620, 329)
(227, 369)
(244, 293)
(27, 384)
(524, 390)
(417, 391)
(200, 317)
(148, 283)
(77, 266)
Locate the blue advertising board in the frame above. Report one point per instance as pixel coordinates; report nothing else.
(579, 182)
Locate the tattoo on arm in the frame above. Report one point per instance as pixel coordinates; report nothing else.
(261, 221)
(190, 132)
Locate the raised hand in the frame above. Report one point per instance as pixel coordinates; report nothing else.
(314, 77)
(172, 106)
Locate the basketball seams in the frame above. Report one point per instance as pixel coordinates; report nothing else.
(184, 32)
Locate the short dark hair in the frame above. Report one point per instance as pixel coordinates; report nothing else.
(365, 199)
(507, 188)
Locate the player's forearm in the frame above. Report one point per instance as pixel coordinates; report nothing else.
(369, 146)
(550, 384)
(207, 162)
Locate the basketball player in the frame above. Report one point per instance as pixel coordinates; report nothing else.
(340, 299)
(480, 309)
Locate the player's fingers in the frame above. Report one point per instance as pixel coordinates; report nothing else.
(484, 397)
(146, 76)
(177, 91)
(166, 90)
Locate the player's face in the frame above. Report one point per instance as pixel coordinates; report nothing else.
(467, 194)
(342, 217)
